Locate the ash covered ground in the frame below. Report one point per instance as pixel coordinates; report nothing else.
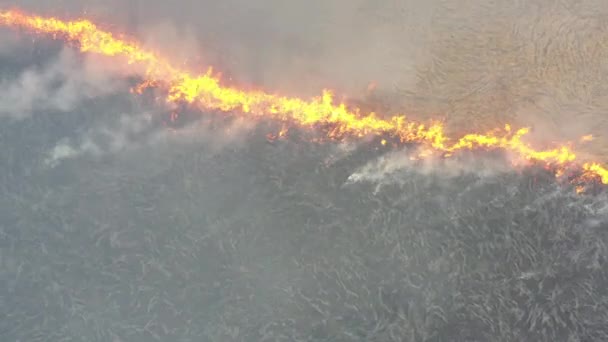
(184, 240)
(118, 226)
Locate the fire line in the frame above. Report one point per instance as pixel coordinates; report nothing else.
(339, 120)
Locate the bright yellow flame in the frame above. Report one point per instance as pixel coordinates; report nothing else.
(594, 170)
(339, 120)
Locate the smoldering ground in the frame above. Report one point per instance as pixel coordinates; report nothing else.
(183, 239)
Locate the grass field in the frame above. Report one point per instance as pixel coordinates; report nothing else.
(212, 233)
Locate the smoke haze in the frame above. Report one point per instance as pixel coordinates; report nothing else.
(537, 63)
(119, 223)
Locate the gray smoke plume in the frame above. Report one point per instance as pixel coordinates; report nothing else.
(60, 84)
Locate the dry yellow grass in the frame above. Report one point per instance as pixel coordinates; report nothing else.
(540, 64)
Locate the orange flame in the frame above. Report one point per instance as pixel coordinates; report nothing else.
(337, 119)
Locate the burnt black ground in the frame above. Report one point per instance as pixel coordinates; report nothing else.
(259, 241)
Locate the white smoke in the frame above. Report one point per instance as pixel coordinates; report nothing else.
(132, 132)
(393, 166)
(60, 85)
(103, 139)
